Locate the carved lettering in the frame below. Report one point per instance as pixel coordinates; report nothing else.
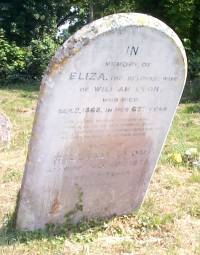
(132, 50)
(87, 76)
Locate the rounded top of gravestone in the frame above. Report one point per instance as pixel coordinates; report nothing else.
(5, 127)
(101, 27)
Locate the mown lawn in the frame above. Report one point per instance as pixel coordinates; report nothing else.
(167, 223)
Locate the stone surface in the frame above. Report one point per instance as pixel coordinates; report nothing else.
(106, 104)
(4, 131)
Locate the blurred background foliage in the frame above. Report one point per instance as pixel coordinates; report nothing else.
(29, 30)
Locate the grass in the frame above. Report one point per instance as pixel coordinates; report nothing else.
(167, 223)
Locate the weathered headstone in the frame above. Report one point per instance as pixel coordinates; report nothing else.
(105, 107)
(4, 131)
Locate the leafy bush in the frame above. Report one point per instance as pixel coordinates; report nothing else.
(41, 52)
(192, 91)
(192, 88)
(12, 58)
(29, 62)
(193, 64)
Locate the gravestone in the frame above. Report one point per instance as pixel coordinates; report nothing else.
(105, 107)
(4, 131)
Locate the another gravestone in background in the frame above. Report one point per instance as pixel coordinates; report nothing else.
(106, 104)
(5, 127)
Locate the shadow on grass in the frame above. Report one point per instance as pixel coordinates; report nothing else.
(26, 86)
(191, 93)
(10, 236)
(193, 108)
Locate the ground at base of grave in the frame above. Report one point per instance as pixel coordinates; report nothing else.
(167, 223)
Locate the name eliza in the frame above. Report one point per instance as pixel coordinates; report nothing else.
(87, 76)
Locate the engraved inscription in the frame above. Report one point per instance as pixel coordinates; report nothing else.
(132, 50)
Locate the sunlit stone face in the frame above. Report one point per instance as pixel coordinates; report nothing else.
(106, 104)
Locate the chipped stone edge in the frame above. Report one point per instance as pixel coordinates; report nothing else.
(109, 23)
